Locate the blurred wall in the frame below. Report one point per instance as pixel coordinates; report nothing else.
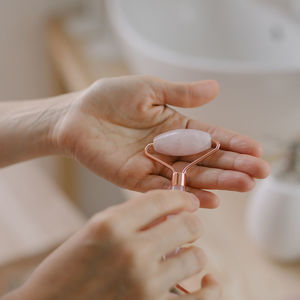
(24, 69)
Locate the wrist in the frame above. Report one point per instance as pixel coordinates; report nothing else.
(60, 108)
(27, 128)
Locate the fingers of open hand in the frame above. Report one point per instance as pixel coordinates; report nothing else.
(225, 170)
(227, 160)
(228, 139)
(211, 178)
(217, 179)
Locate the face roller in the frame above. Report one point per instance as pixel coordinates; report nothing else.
(182, 142)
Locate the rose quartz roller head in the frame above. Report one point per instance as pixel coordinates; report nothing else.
(182, 142)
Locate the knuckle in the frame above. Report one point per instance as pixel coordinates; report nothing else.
(192, 223)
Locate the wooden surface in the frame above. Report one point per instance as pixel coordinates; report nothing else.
(75, 70)
(35, 217)
(244, 272)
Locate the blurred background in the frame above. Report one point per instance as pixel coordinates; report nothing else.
(252, 47)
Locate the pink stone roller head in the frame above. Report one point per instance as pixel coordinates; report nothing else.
(182, 142)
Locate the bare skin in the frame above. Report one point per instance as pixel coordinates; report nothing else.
(115, 257)
(107, 126)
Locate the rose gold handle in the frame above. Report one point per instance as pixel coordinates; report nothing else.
(179, 179)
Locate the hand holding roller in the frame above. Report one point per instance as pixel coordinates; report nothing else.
(182, 142)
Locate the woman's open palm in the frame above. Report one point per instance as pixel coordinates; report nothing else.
(109, 124)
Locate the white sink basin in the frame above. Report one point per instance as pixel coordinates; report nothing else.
(252, 50)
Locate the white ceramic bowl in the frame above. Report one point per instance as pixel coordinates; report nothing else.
(273, 218)
(253, 51)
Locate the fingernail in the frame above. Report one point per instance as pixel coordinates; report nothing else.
(195, 201)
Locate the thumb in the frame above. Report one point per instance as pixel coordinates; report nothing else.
(190, 94)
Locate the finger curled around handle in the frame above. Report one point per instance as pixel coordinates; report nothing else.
(138, 213)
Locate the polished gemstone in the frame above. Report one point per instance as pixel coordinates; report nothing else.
(181, 142)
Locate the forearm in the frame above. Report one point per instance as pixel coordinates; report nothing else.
(27, 128)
